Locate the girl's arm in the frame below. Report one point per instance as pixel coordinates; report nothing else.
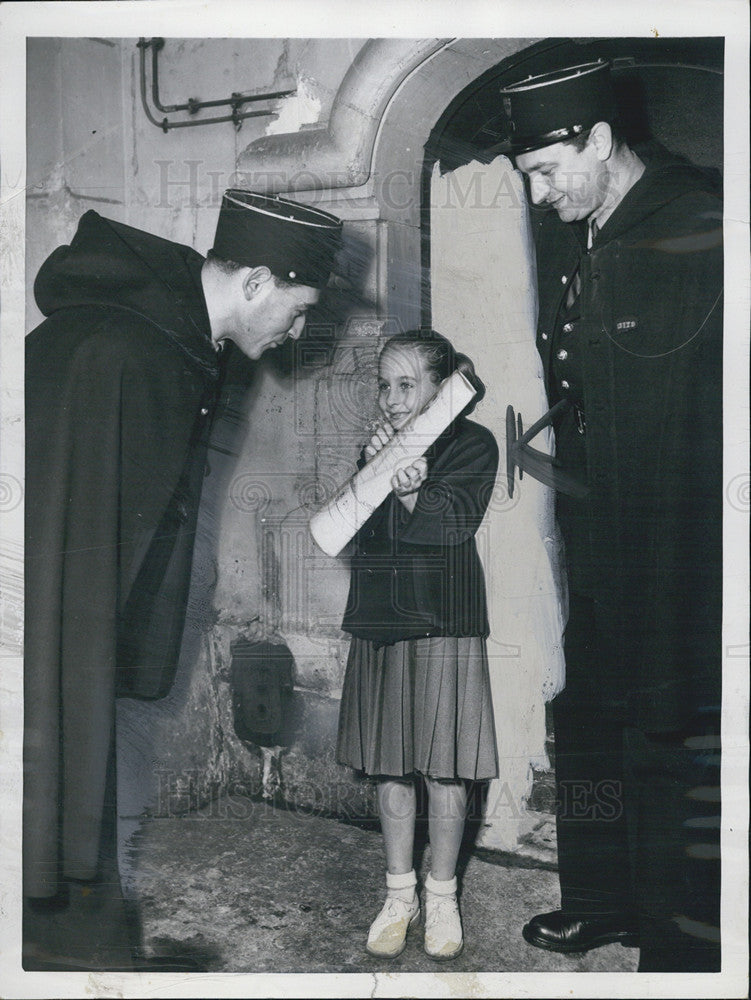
(452, 502)
(406, 481)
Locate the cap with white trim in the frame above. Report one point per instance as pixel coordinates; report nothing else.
(549, 108)
(296, 242)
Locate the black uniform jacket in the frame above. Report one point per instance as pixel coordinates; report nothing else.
(121, 382)
(419, 574)
(643, 359)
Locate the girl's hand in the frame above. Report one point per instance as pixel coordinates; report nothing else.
(383, 434)
(409, 479)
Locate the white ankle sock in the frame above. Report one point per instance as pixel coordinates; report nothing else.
(439, 887)
(401, 886)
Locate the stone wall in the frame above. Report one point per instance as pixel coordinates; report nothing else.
(90, 144)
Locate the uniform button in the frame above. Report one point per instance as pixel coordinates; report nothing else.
(568, 327)
(204, 411)
(562, 355)
(544, 336)
(564, 279)
(565, 384)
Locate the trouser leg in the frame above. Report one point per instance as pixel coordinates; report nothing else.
(674, 786)
(593, 857)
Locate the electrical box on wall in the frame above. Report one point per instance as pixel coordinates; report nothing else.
(262, 677)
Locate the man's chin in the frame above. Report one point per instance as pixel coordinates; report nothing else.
(570, 213)
(256, 352)
(565, 214)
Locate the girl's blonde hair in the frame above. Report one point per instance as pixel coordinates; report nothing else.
(440, 359)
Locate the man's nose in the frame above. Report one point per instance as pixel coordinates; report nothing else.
(295, 331)
(538, 189)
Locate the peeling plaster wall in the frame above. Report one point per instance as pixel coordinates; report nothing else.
(90, 144)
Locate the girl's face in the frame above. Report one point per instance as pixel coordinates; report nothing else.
(404, 384)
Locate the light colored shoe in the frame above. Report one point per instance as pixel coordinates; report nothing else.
(387, 937)
(444, 939)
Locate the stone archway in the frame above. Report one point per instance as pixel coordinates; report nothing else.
(366, 162)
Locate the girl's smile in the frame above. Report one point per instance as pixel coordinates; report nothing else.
(404, 385)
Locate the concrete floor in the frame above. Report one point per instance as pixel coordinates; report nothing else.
(242, 886)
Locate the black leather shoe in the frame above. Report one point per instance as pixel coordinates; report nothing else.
(570, 932)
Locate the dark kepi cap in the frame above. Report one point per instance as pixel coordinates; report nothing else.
(542, 110)
(296, 242)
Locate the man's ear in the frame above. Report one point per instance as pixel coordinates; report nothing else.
(254, 279)
(601, 138)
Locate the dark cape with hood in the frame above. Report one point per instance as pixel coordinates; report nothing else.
(644, 365)
(121, 384)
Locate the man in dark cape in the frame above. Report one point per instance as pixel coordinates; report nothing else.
(630, 272)
(122, 381)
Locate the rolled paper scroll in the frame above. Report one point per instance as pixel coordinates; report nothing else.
(336, 523)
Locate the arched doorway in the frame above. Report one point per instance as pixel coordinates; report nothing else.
(401, 96)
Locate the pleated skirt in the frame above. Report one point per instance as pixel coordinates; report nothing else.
(422, 705)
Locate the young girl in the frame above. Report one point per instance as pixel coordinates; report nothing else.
(416, 696)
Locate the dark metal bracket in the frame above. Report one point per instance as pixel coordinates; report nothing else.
(520, 455)
(193, 105)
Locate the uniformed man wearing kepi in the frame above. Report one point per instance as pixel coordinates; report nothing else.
(630, 333)
(122, 380)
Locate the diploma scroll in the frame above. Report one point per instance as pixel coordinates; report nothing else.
(336, 523)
